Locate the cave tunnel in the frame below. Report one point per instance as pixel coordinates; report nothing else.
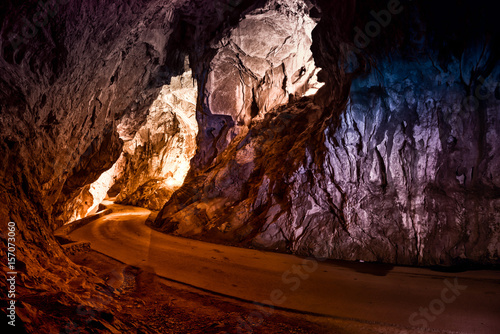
(238, 166)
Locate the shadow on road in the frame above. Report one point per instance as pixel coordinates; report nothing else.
(372, 268)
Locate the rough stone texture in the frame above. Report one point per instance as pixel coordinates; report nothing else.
(409, 176)
(76, 247)
(264, 61)
(61, 94)
(154, 163)
(414, 169)
(399, 171)
(390, 171)
(71, 92)
(157, 159)
(79, 207)
(99, 188)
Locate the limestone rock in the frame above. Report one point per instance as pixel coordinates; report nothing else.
(397, 166)
(157, 159)
(265, 61)
(383, 162)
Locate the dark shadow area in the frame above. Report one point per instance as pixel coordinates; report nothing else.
(371, 268)
(461, 266)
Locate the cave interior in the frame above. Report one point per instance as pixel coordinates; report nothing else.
(359, 134)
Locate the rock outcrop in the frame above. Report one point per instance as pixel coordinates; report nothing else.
(65, 85)
(157, 159)
(264, 62)
(403, 169)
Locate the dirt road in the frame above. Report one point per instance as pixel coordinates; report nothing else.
(467, 302)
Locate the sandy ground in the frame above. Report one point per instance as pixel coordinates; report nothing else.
(158, 306)
(323, 297)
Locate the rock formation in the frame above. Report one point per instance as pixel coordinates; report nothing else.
(392, 175)
(65, 86)
(315, 134)
(157, 159)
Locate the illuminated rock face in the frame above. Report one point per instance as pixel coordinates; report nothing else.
(385, 166)
(410, 174)
(157, 158)
(262, 62)
(155, 162)
(382, 166)
(99, 188)
(265, 61)
(62, 93)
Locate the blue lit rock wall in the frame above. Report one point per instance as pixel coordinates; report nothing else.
(402, 167)
(415, 167)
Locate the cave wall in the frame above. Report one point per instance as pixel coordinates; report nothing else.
(382, 163)
(73, 88)
(415, 165)
(63, 99)
(69, 89)
(264, 62)
(395, 159)
(157, 159)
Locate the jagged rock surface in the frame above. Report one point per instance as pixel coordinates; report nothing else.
(400, 171)
(63, 91)
(265, 59)
(157, 159)
(388, 170)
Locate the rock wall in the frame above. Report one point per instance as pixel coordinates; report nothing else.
(154, 163)
(77, 81)
(262, 62)
(381, 167)
(265, 61)
(400, 165)
(65, 86)
(157, 159)
(415, 167)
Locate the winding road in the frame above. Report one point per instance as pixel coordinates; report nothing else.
(404, 297)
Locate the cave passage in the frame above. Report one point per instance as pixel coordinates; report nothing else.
(154, 163)
(240, 166)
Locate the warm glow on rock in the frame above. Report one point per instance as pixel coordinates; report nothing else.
(156, 161)
(100, 188)
(230, 166)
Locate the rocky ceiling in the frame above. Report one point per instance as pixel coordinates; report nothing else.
(346, 129)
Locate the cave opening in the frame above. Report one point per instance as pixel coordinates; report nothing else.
(154, 162)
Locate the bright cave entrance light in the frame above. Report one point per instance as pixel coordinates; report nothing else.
(155, 162)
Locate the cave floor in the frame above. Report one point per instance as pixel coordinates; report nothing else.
(155, 305)
(209, 288)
